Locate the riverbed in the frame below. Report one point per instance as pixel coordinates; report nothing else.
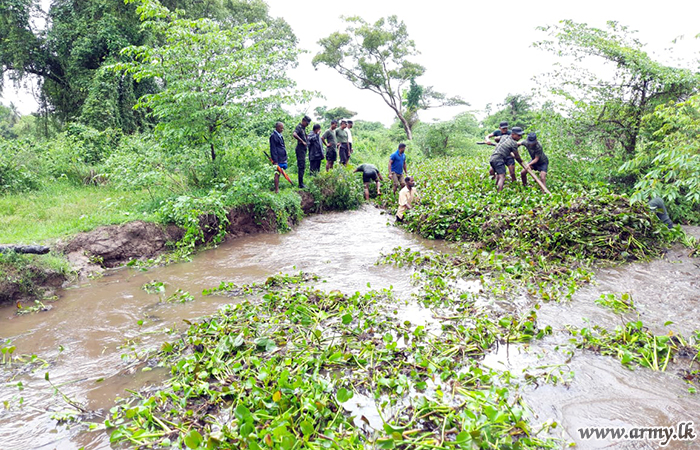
(94, 339)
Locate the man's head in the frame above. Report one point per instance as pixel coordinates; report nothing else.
(532, 137)
(410, 182)
(343, 124)
(334, 124)
(305, 121)
(349, 123)
(279, 126)
(503, 126)
(402, 148)
(317, 127)
(517, 133)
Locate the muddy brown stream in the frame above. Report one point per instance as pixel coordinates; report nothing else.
(89, 337)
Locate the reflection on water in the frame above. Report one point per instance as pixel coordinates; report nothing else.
(93, 336)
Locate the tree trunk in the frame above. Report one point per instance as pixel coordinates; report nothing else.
(406, 126)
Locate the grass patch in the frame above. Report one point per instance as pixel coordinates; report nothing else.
(62, 208)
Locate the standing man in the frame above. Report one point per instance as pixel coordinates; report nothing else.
(278, 153)
(341, 136)
(315, 150)
(406, 198)
(397, 167)
(349, 130)
(329, 141)
(302, 145)
(370, 173)
(506, 146)
(498, 135)
(539, 160)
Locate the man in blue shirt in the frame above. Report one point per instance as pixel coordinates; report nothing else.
(397, 167)
(278, 152)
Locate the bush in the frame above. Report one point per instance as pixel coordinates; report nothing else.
(15, 174)
(339, 189)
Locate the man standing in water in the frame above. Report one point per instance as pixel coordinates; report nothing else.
(397, 167)
(302, 144)
(315, 150)
(329, 141)
(341, 135)
(407, 196)
(539, 160)
(506, 149)
(278, 152)
(370, 173)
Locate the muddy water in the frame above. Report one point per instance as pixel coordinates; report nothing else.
(89, 336)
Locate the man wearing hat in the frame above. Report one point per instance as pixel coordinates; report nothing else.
(507, 149)
(539, 160)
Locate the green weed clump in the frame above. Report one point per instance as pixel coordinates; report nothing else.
(279, 370)
(577, 222)
(339, 189)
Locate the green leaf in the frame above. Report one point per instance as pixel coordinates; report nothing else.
(193, 439)
(344, 395)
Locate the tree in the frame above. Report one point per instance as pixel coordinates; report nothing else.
(448, 137)
(212, 79)
(337, 113)
(612, 108)
(374, 57)
(516, 110)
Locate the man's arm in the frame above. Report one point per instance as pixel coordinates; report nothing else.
(301, 141)
(487, 139)
(405, 170)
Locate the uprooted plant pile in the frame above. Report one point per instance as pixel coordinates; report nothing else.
(290, 366)
(459, 202)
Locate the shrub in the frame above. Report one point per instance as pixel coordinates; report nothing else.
(15, 174)
(338, 189)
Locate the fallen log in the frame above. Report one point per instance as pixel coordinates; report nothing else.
(33, 249)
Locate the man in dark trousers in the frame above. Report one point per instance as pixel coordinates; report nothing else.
(302, 144)
(507, 149)
(315, 150)
(278, 152)
(497, 136)
(370, 173)
(341, 135)
(538, 160)
(329, 141)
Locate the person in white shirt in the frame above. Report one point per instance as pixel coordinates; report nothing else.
(407, 196)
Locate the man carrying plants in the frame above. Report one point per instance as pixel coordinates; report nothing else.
(407, 196)
(302, 145)
(370, 173)
(539, 160)
(329, 141)
(278, 153)
(397, 167)
(506, 150)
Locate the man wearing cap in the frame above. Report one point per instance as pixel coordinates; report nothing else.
(302, 144)
(498, 135)
(506, 149)
(539, 160)
(329, 141)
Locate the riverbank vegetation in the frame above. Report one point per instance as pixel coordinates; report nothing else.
(119, 138)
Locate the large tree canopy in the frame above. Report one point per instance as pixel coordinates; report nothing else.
(67, 47)
(612, 107)
(211, 79)
(374, 57)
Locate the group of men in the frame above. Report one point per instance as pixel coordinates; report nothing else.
(506, 153)
(336, 141)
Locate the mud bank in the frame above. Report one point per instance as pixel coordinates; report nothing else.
(91, 253)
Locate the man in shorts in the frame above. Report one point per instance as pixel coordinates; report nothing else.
(329, 141)
(507, 149)
(397, 167)
(497, 136)
(278, 152)
(341, 135)
(370, 173)
(538, 160)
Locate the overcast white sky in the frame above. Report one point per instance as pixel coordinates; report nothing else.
(466, 45)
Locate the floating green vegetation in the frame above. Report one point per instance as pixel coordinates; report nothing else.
(290, 366)
(621, 304)
(633, 344)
